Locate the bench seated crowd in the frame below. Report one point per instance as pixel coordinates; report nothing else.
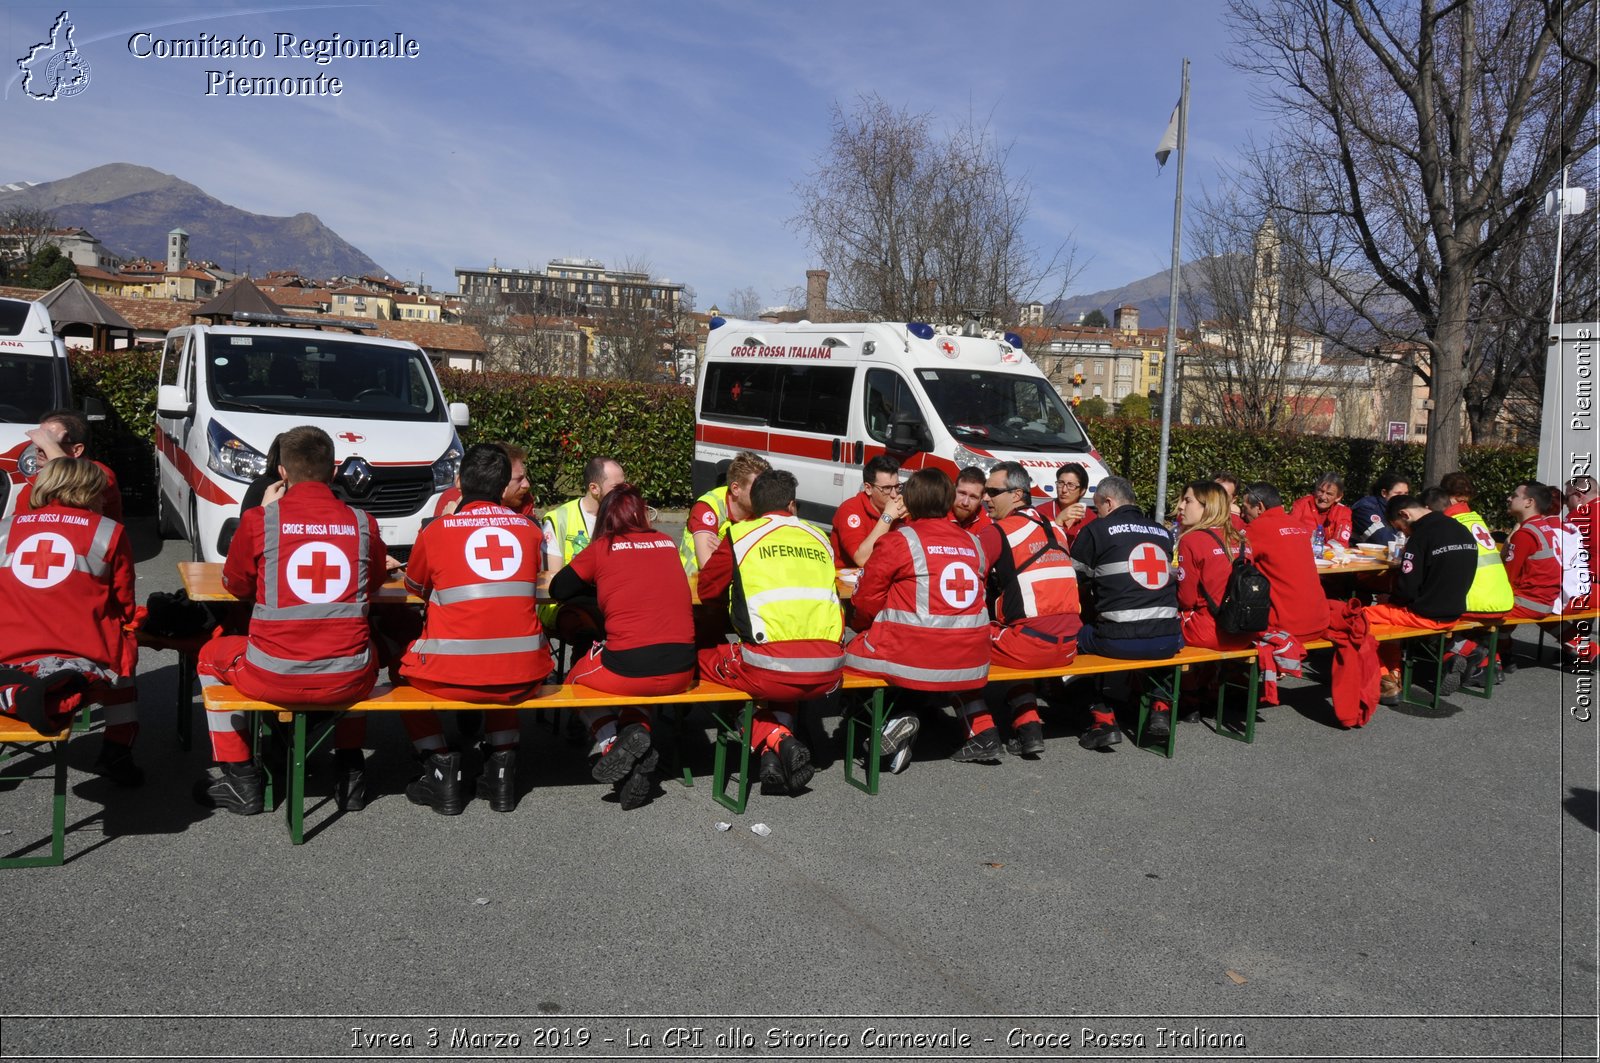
(964, 597)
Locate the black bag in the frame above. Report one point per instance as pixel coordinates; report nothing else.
(1246, 606)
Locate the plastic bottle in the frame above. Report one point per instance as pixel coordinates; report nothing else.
(1317, 542)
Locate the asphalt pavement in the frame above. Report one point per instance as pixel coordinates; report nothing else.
(1424, 886)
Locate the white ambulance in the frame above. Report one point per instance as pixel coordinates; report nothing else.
(820, 400)
(226, 391)
(33, 381)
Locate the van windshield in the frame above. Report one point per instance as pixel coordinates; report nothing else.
(1003, 411)
(27, 388)
(317, 375)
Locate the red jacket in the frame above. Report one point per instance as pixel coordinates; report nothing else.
(479, 571)
(1356, 671)
(1204, 562)
(1022, 589)
(1052, 509)
(921, 592)
(66, 588)
(1534, 564)
(1280, 545)
(852, 521)
(644, 596)
(310, 564)
(1335, 523)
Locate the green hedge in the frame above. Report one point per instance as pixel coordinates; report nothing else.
(1131, 448)
(562, 422)
(649, 428)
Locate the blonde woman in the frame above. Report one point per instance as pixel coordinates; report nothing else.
(1206, 551)
(66, 594)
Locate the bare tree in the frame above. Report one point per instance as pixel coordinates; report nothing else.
(519, 342)
(745, 304)
(915, 226)
(1419, 140)
(24, 232)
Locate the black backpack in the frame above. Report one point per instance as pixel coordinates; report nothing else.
(1246, 606)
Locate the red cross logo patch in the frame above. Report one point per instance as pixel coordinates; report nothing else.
(318, 572)
(1480, 533)
(1148, 565)
(959, 585)
(493, 553)
(43, 560)
(949, 348)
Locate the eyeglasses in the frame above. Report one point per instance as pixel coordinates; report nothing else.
(1068, 485)
(996, 492)
(893, 488)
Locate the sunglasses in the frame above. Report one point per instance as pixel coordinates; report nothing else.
(996, 492)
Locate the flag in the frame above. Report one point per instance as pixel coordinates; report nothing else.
(1169, 139)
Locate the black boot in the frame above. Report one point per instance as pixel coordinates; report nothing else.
(350, 780)
(235, 787)
(497, 783)
(115, 762)
(439, 785)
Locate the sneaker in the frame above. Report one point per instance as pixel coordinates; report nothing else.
(115, 762)
(1477, 672)
(497, 783)
(1100, 736)
(350, 784)
(794, 759)
(981, 748)
(439, 785)
(632, 745)
(235, 787)
(1029, 739)
(1159, 722)
(1455, 670)
(899, 734)
(1389, 689)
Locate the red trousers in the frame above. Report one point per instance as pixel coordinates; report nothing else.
(781, 691)
(1399, 616)
(590, 672)
(220, 662)
(500, 726)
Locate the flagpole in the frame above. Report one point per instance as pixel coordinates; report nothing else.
(1167, 370)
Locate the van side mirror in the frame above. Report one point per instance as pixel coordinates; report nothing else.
(908, 436)
(93, 409)
(459, 415)
(173, 401)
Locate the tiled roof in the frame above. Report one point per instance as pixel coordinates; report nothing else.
(434, 335)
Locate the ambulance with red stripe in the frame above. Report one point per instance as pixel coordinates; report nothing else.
(821, 399)
(33, 381)
(226, 392)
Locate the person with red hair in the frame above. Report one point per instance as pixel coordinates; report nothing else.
(647, 648)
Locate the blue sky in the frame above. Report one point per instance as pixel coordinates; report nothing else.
(666, 132)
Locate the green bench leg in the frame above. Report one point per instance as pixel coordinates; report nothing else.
(185, 704)
(58, 811)
(1489, 669)
(1153, 690)
(873, 767)
(1433, 653)
(1252, 692)
(728, 735)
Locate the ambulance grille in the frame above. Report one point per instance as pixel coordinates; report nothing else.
(394, 492)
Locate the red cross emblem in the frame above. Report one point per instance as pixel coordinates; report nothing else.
(1480, 533)
(735, 390)
(43, 560)
(949, 348)
(1149, 566)
(959, 585)
(351, 437)
(493, 553)
(318, 572)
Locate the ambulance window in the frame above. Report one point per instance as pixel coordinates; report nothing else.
(171, 354)
(13, 316)
(737, 392)
(888, 399)
(814, 399)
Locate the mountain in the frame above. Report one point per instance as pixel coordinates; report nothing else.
(1152, 295)
(132, 208)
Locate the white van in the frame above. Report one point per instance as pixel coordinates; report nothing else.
(820, 400)
(226, 391)
(33, 381)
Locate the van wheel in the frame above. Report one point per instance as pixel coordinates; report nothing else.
(166, 526)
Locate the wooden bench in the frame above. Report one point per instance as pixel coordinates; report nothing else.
(1166, 677)
(17, 739)
(312, 725)
(1542, 623)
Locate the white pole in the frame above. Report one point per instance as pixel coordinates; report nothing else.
(1167, 372)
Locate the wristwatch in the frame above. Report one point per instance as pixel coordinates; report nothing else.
(887, 519)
